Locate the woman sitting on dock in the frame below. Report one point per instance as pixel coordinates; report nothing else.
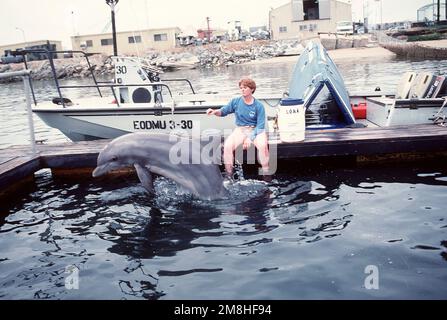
(250, 122)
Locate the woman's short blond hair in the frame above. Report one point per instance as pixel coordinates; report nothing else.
(247, 82)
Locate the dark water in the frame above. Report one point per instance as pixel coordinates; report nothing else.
(305, 235)
(308, 234)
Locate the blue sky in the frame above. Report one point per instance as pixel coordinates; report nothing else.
(58, 20)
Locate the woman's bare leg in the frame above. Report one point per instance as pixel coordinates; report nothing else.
(261, 144)
(235, 139)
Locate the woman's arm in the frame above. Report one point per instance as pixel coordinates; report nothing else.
(215, 112)
(224, 111)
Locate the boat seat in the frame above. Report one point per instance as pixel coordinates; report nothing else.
(65, 101)
(403, 88)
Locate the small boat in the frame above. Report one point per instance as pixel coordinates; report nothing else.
(142, 101)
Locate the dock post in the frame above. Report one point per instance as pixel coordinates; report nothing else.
(30, 113)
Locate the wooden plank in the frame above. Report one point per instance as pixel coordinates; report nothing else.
(340, 148)
(15, 187)
(17, 170)
(70, 160)
(4, 160)
(14, 163)
(376, 159)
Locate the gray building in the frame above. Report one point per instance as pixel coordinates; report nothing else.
(52, 45)
(304, 19)
(128, 42)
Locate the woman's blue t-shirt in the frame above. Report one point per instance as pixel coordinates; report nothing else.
(246, 114)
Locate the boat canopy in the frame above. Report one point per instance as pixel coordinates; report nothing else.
(314, 70)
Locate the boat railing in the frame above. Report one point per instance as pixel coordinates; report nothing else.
(50, 56)
(97, 84)
(112, 86)
(180, 80)
(25, 74)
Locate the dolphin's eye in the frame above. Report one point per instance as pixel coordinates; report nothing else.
(114, 158)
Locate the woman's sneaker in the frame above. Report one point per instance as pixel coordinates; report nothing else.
(228, 180)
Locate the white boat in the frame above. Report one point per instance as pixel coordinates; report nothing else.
(143, 102)
(140, 102)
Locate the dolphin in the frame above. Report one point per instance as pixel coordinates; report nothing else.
(152, 153)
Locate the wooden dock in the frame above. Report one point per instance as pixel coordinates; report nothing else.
(18, 164)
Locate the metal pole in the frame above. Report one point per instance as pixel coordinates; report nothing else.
(115, 49)
(53, 68)
(208, 33)
(112, 4)
(365, 17)
(433, 10)
(29, 79)
(30, 114)
(25, 77)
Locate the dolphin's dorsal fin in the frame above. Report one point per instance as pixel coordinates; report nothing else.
(145, 177)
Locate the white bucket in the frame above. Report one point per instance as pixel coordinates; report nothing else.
(291, 120)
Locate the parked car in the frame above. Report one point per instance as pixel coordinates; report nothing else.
(345, 27)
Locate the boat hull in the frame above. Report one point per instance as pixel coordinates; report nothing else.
(103, 121)
(80, 126)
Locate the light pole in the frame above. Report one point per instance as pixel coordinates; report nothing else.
(23, 34)
(381, 16)
(208, 31)
(112, 4)
(365, 16)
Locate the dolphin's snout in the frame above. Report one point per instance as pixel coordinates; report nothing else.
(99, 171)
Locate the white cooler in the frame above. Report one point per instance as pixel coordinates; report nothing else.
(291, 120)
